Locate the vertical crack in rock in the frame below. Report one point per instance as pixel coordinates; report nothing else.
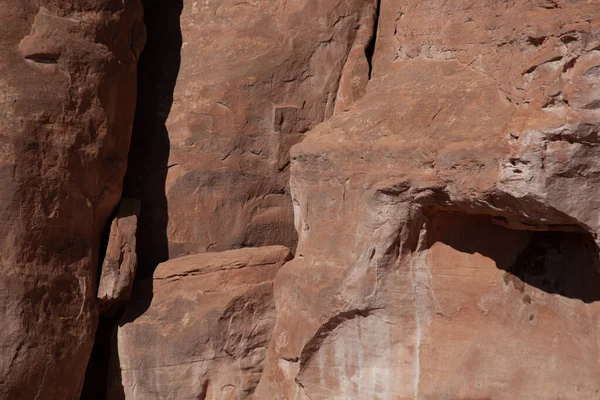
(370, 49)
(358, 66)
(150, 147)
(158, 68)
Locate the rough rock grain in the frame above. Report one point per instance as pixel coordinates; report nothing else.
(120, 261)
(448, 222)
(67, 97)
(205, 332)
(254, 77)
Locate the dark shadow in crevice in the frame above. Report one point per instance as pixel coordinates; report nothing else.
(563, 263)
(556, 262)
(158, 69)
(96, 374)
(370, 49)
(149, 153)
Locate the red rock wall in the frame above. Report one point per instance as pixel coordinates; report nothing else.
(67, 97)
(447, 225)
(434, 161)
(254, 77)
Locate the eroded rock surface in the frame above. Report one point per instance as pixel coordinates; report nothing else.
(205, 332)
(254, 77)
(67, 97)
(120, 261)
(446, 210)
(448, 221)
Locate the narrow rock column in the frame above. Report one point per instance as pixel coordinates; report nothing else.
(67, 98)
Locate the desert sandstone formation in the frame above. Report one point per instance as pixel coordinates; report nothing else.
(67, 98)
(205, 332)
(441, 188)
(120, 259)
(448, 221)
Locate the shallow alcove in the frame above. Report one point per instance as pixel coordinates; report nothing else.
(556, 262)
(514, 311)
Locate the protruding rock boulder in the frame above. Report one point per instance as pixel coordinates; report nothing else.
(204, 333)
(120, 261)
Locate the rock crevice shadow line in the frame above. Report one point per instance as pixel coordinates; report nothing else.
(158, 69)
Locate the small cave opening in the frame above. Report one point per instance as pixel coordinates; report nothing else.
(563, 263)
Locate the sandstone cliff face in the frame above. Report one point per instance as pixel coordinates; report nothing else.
(448, 221)
(254, 77)
(67, 97)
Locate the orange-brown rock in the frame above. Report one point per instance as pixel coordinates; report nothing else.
(448, 221)
(67, 98)
(444, 199)
(120, 261)
(205, 332)
(254, 77)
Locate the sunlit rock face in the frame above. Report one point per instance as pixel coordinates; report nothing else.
(448, 220)
(431, 165)
(254, 77)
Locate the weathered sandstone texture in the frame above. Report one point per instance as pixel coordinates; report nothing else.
(147, 167)
(441, 187)
(120, 261)
(448, 221)
(254, 77)
(67, 98)
(205, 333)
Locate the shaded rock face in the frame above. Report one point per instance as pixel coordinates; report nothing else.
(447, 221)
(67, 97)
(205, 333)
(254, 77)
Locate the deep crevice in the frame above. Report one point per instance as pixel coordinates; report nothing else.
(370, 49)
(145, 179)
(97, 375)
